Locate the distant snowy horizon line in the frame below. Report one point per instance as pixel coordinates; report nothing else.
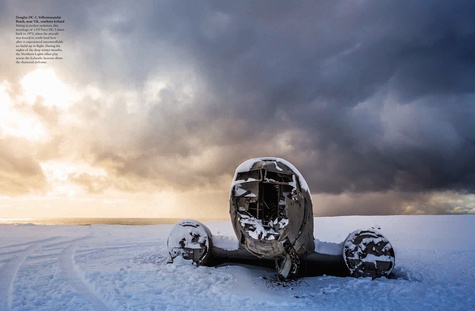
(135, 221)
(95, 220)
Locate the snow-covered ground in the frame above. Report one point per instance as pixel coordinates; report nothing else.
(105, 267)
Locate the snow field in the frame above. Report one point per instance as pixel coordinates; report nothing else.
(124, 268)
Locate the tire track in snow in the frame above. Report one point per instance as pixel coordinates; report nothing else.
(71, 271)
(9, 271)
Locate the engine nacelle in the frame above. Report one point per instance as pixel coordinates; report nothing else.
(367, 253)
(190, 240)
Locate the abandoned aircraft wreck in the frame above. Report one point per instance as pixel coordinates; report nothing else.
(272, 215)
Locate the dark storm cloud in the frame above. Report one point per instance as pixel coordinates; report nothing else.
(384, 91)
(341, 75)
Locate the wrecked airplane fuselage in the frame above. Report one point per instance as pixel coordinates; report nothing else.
(272, 215)
(271, 212)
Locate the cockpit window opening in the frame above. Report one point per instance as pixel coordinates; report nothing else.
(279, 176)
(253, 175)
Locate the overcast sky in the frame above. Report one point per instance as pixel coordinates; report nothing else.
(157, 102)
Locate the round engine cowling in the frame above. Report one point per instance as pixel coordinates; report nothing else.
(190, 240)
(367, 253)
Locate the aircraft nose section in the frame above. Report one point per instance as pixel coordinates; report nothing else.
(271, 211)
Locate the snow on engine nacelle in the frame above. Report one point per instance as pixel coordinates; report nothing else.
(367, 253)
(190, 240)
(272, 215)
